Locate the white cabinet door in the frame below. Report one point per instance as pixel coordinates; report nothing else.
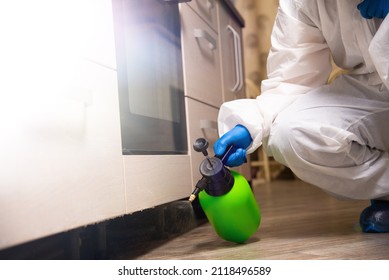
(230, 35)
(201, 58)
(61, 163)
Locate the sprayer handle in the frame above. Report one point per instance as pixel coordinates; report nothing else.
(201, 145)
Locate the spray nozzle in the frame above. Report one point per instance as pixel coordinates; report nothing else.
(199, 187)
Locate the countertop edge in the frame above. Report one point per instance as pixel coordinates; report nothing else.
(232, 9)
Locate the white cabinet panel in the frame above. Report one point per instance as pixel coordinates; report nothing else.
(154, 180)
(61, 164)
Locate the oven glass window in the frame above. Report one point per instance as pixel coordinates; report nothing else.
(150, 77)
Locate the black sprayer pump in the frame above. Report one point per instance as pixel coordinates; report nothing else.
(216, 180)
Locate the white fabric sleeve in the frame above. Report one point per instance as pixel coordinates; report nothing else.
(379, 51)
(245, 112)
(299, 60)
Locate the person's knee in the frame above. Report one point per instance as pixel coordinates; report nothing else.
(298, 142)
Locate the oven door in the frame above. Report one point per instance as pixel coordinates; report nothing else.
(150, 77)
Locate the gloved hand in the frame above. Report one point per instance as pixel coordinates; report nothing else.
(374, 8)
(239, 137)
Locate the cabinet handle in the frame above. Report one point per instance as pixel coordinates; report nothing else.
(238, 60)
(208, 124)
(199, 33)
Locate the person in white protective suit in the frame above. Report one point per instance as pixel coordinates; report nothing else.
(333, 135)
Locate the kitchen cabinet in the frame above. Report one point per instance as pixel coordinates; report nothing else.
(62, 163)
(213, 69)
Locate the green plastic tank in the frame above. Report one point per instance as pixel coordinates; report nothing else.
(226, 198)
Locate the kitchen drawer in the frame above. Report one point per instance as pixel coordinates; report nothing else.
(201, 59)
(202, 122)
(206, 9)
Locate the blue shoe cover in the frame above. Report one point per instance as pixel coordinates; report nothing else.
(375, 218)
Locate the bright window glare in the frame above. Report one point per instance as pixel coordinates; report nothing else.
(41, 41)
(42, 49)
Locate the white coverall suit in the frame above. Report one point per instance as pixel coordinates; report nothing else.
(335, 136)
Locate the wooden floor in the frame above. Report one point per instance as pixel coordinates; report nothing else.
(299, 221)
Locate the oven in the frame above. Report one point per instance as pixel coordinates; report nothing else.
(150, 77)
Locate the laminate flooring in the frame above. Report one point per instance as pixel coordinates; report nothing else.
(299, 222)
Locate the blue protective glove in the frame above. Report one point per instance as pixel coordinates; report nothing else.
(374, 8)
(239, 137)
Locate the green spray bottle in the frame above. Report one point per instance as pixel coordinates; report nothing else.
(225, 197)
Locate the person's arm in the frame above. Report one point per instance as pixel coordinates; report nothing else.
(379, 50)
(299, 60)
